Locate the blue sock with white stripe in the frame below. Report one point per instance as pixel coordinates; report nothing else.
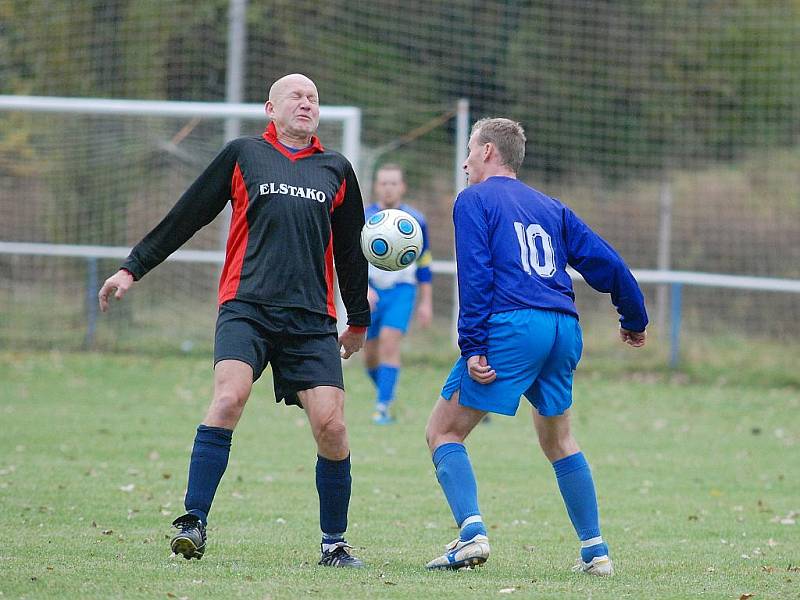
(455, 475)
(577, 488)
(593, 547)
(386, 380)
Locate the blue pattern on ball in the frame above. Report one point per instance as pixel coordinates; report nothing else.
(408, 257)
(405, 226)
(379, 247)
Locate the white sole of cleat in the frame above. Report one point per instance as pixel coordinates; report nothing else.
(462, 554)
(459, 565)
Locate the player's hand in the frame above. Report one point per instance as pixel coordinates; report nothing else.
(480, 370)
(632, 338)
(350, 342)
(372, 298)
(119, 283)
(424, 315)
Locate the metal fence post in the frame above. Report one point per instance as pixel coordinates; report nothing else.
(459, 183)
(91, 302)
(675, 335)
(663, 256)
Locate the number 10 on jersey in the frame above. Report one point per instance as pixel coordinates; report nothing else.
(539, 257)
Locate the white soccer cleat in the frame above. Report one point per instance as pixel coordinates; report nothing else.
(602, 566)
(463, 554)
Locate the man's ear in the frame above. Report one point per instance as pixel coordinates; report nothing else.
(268, 108)
(488, 148)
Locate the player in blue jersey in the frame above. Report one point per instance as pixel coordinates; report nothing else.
(519, 335)
(391, 297)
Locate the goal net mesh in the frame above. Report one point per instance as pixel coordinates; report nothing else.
(671, 127)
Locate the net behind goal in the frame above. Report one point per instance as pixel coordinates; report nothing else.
(671, 127)
(89, 187)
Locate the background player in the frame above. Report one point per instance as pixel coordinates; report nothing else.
(519, 334)
(391, 298)
(296, 206)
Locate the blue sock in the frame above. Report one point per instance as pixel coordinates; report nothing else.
(386, 380)
(593, 547)
(454, 472)
(212, 445)
(577, 488)
(373, 374)
(333, 486)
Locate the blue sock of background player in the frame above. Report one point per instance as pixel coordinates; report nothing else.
(373, 375)
(577, 489)
(385, 381)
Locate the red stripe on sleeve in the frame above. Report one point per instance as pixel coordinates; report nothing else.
(339, 197)
(237, 239)
(329, 277)
(337, 201)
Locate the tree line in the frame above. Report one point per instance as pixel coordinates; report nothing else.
(619, 86)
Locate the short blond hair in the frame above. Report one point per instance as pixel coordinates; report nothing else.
(507, 136)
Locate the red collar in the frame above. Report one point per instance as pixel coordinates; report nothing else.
(271, 135)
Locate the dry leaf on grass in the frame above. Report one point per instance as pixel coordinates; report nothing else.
(789, 519)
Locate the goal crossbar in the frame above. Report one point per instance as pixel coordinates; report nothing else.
(350, 116)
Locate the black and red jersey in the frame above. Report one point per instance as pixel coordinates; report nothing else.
(293, 215)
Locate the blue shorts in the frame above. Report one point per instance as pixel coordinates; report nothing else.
(394, 308)
(533, 353)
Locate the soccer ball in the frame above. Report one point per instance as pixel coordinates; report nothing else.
(391, 239)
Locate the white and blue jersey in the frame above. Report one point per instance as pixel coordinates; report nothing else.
(513, 244)
(418, 272)
(397, 289)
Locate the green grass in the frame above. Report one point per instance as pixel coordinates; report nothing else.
(692, 474)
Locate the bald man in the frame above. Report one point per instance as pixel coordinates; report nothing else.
(296, 208)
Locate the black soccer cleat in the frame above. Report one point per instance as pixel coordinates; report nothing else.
(191, 541)
(339, 556)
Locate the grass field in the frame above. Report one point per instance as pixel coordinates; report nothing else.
(698, 480)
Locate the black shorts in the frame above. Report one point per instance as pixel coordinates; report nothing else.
(255, 334)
